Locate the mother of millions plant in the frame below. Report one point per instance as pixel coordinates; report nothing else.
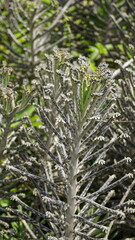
(10, 125)
(30, 29)
(76, 183)
(125, 146)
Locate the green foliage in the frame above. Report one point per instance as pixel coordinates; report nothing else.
(108, 23)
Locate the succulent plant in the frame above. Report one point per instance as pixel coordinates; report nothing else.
(72, 179)
(28, 31)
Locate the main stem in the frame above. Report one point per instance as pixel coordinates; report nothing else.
(72, 191)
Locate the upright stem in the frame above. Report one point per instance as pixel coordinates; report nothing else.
(69, 233)
(33, 34)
